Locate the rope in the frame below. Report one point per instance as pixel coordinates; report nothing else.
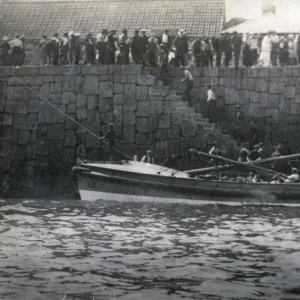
(77, 123)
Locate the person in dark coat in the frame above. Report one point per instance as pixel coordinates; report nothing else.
(237, 42)
(189, 85)
(55, 49)
(111, 47)
(196, 51)
(153, 49)
(4, 52)
(16, 47)
(166, 41)
(101, 46)
(124, 47)
(239, 124)
(227, 48)
(209, 52)
(253, 134)
(247, 57)
(44, 51)
(143, 46)
(204, 59)
(78, 48)
(23, 52)
(90, 49)
(135, 51)
(182, 47)
(72, 48)
(64, 49)
(217, 45)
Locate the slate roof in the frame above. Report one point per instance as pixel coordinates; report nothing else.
(33, 19)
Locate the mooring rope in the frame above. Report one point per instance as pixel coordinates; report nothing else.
(63, 113)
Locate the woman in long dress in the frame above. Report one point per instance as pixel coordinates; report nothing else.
(266, 48)
(247, 61)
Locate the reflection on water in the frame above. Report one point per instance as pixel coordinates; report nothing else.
(131, 251)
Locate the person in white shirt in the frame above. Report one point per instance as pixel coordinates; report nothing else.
(211, 104)
(148, 158)
(266, 48)
(189, 79)
(292, 50)
(294, 177)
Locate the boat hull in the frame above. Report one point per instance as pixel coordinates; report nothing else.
(110, 184)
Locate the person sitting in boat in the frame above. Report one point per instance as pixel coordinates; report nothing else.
(254, 154)
(215, 150)
(294, 177)
(244, 152)
(110, 135)
(148, 158)
(261, 149)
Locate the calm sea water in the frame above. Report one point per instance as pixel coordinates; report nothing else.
(100, 250)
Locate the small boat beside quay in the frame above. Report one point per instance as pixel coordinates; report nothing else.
(138, 181)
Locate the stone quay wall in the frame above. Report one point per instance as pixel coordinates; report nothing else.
(270, 96)
(38, 143)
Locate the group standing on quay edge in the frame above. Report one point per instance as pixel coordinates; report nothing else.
(151, 51)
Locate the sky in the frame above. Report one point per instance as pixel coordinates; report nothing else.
(249, 9)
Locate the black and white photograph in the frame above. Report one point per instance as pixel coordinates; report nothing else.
(149, 149)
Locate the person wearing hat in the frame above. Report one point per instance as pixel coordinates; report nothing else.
(78, 48)
(166, 41)
(43, 49)
(218, 48)
(237, 42)
(4, 52)
(196, 51)
(274, 49)
(227, 48)
(283, 50)
(244, 152)
(124, 47)
(64, 49)
(143, 46)
(253, 39)
(72, 48)
(16, 47)
(110, 136)
(101, 46)
(182, 48)
(55, 49)
(111, 48)
(89, 49)
(153, 50)
(189, 80)
(135, 53)
(148, 158)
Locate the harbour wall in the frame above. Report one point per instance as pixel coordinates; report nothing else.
(269, 96)
(38, 142)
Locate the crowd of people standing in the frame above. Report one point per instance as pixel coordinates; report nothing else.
(158, 50)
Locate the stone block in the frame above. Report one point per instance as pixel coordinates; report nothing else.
(176, 118)
(158, 90)
(143, 109)
(263, 100)
(107, 118)
(129, 91)
(18, 152)
(51, 70)
(141, 138)
(262, 85)
(142, 125)
(232, 96)
(93, 120)
(141, 93)
(47, 79)
(106, 78)
(55, 88)
(272, 113)
(128, 79)
(90, 85)
(68, 97)
(32, 122)
(69, 155)
(94, 70)
(129, 119)
(253, 96)
(55, 98)
(188, 128)
(70, 138)
(290, 92)
(7, 119)
(71, 70)
(277, 87)
(69, 124)
(23, 137)
(129, 135)
(5, 133)
(92, 142)
(69, 83)
(174, 132)
(254, 110)
(106, 89)
(118, 113)
(92, 102)
(118, 88)
(248, 84)
(260, 72)
(79, 81)
(229, 82)
(164, 121)
(33, 80)
(5, 149)
(31, 151)
(22, 107)
(55, 132)
(56, 115)
(153, 123)
(146, 80)
(161, 134)
(118, 99)
(26, 71)
(81, 100)
(71, 109)
(33, 106)
(157, 107)
(81, 113)
(129, 107)
(105, 104)
(44, 91)
(168, 108)
(20, 122)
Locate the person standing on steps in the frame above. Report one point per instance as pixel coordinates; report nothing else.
(189, 79)
(211, 105)
(148, 158)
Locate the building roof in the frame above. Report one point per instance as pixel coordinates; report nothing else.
(34, 19)
(268, 21)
